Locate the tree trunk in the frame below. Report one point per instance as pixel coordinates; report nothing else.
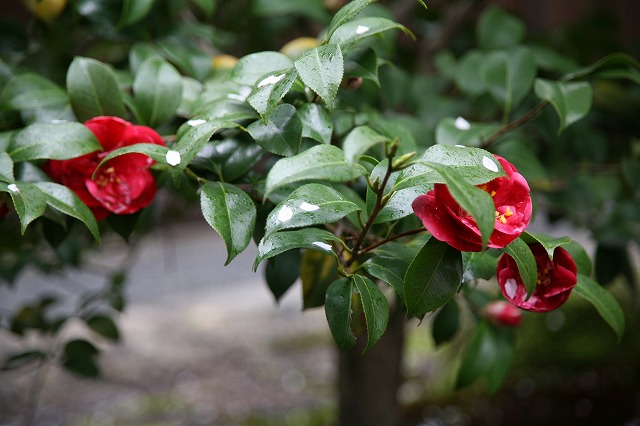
(368, 383)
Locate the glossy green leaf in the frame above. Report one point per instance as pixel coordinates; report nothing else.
(66, 201)
(549, 243)
(321, 162)
(189, 58)
(359, 141)
(53, 141)
(318, 270)
(249, 69)
(580, 256)
(474, 165)
(279, 242)
(157, 90)
(31, 91)
(607, 306)
(231, 212)
(280, 133)
(242, 156)
(337, 308)
(509, 75)
(6, 167)
(321, 69)
(270, 89)
(572, 101)
(344, 15)
(446, 323)
(311, 204)
(390, 264)
(355, 31)
(488, 355)
(29, 201)
(375, 306)
(498, 29)
(93, 89)
(459, 131)
(550, 60)
(282, 271)
(316, 123)
(433, 278)
(208, 7)
(104, 326)
(526, 262)
(139, 53)
(157, 152)
(133, 11)
(477, 202)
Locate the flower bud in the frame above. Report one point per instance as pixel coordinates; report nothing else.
(503, 314)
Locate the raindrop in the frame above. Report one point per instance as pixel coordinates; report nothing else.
(173, 157)
(489, 164)
(285, 214)
(13, 188)
(196, 122)
(322, 245)
(272, 79)
(361, 29)
(462, 124)
(309, 207)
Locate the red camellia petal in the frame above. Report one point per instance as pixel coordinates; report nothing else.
(556, 280)
(503, 313)
(124, 184)
(443, 217)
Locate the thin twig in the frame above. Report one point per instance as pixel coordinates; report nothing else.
(533, 113)
(391, 238)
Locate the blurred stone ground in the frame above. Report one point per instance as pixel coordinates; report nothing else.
(202, 344)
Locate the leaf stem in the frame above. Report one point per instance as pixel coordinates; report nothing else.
(391, 238)
(191, 174)
(533, 113)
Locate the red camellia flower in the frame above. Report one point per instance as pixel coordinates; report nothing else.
(443, 217)
(556, 279)
(124, 184)
(503, 313)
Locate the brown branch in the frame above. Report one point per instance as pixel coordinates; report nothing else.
(391, 238)
(533, 113)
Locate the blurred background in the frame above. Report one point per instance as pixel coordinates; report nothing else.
(197, 343)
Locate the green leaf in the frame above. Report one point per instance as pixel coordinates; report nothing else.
(66, 201)
(474, 200)
(53, 141)
(280, 133)
(316, 123)
(616, 61)
(461, 132)
(375, 306)
(607, 306)
(468, 73)
(478, 265)
(311, 204)
(208, 7)
(361, 28)
(359, 141)
(550, 60)
(549, 243)
(400, 204)
(390, 264)
(79, 357)
(580, 256)
(572, 101)
(93, 89)
(270, 89)
(282, 271)
(509, 76)
(279, 242)
(6, 168)
(29, 201)
(31, 91)
(321, 162)
(231, 212)
(446, 323)
(497, 29)
(489, 355)
(474, 165)
(526, 262)
(317, 271)
(321, 69)
(239, 156)
(433, 278)
(21, 359)
(157, 153)
(337, 307)
(250, 68)
(133, 11)
(344, 15)
(158, 91)
(104, 326)
(362, 64)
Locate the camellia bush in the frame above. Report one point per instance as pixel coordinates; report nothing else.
(325, 155)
